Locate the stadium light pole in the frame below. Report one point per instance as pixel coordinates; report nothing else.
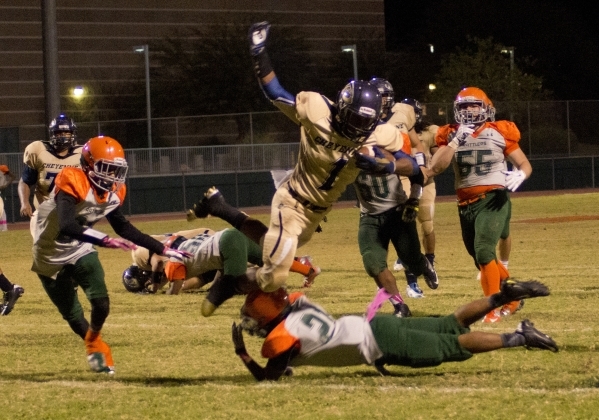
(353, 49)
(510, 51)
(143, 49)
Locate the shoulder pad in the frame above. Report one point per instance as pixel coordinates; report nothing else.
(403, 114)
(507, 129)
(312, 106)
(33, 150)
(74, 182)
(385, 136)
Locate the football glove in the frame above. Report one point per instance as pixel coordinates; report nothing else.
(463, 131)
(513, 179)
(257, 37)
(376, 164)
(410, 210)
(237, 336)
(117, 243)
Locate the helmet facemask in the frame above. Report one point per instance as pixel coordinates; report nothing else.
(105, 173)
(136, 280)
(62, 133)
(473, 97)
(62, 140)
(387, 95)
(359, 110)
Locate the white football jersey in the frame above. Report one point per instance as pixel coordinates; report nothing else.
(326, 341)
(480, 160)
(379, 193)
(51, 251)
(206, 254)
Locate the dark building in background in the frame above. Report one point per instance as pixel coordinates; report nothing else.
(96, 39)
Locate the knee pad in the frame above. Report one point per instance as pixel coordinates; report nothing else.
(100, 310)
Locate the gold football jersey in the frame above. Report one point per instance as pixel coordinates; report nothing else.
(326, 164)
(403, 117)
(48, 165)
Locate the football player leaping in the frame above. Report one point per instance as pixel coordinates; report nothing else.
(331, 134)
(479, 146)
(63, 242)
(45, 159)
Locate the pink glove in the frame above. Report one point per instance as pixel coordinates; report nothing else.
(123, 244)
(175, 253)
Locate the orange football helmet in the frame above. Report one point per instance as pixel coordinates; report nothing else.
(264, 310)
(472, 96)
(103, 161)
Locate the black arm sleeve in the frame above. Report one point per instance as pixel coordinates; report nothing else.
(274, 369)
(67, 219)
(29, 175)
(125, 229)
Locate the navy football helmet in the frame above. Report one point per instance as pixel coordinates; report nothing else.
(136, 280)
(417, 108)
(387, 93)
(358, 110)
(62, 133)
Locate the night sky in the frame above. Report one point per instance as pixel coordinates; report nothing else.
(557, 40)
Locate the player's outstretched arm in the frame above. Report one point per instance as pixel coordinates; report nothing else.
(275, 368)
(269, 82)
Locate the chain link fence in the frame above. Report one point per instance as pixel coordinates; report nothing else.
(548, 128)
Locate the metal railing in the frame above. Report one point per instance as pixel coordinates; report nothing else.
(548, 128)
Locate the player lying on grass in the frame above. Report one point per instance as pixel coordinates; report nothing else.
(298, 332)
(146, 274)
(227, 258)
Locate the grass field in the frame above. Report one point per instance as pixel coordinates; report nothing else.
(173, 364)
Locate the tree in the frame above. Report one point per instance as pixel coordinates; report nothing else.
(209, 70)
(483, 65)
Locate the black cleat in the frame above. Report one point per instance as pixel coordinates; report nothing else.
(430, 275)
(535, 338)
(517, 290)
(204, 207)
(402, 311)
(10, 298)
